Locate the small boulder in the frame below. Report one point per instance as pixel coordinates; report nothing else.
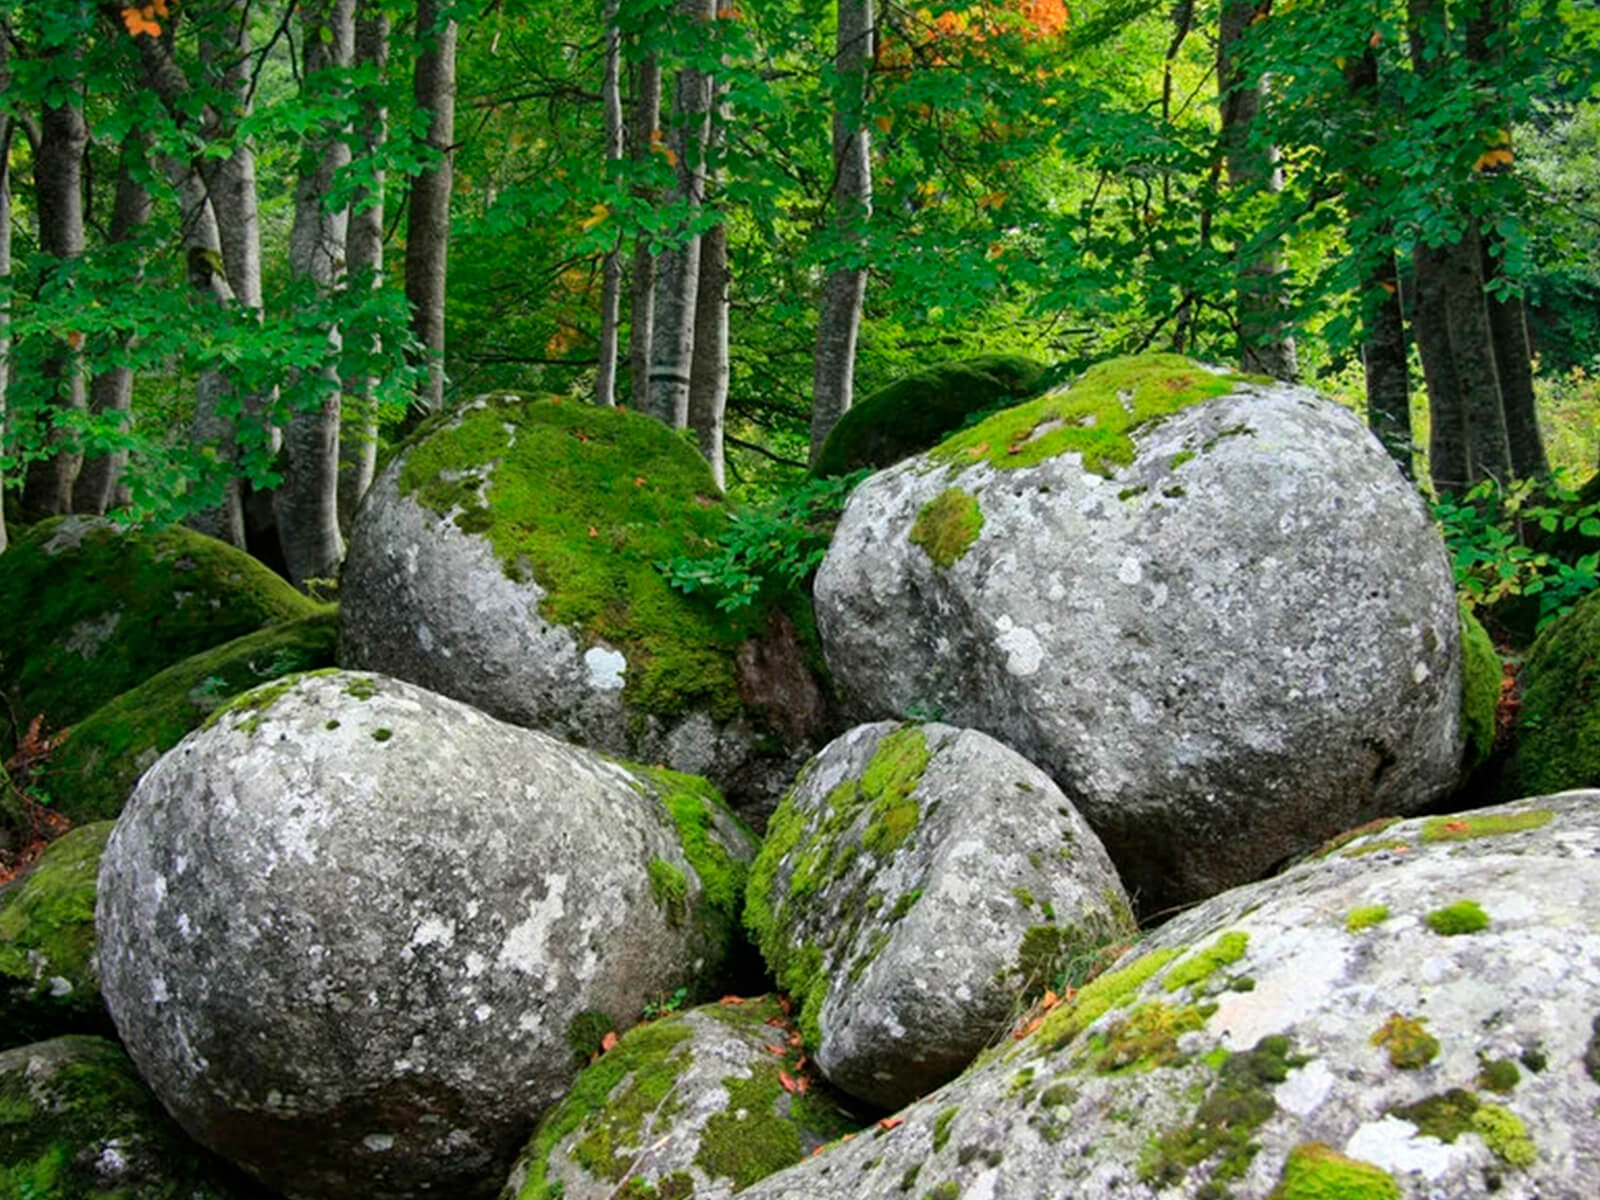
(712, 1096)
(1210, 608)
(916, 888)
(358, 936)
(508, 558)
(1558, 725)
(49, 980)
(1411, 1015)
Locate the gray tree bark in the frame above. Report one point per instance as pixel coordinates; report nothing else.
(708, 375)
(678, 266)
(308, 500)
(605, 387)
(844, 291)
(358, 446)
(641, 325)
(428, 212)
(6, 128)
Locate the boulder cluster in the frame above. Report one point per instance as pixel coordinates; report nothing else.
(1102, 852)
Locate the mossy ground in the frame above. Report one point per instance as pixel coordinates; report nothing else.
(914, 413)
(1095, 417)
(1448, 1115)
(1480, 688)
(1315, 1171)
(1468, 826)
(1200, 965)
(587, 501)
(947, 526)
(1558, 726)
(47, 932)
(91, 774)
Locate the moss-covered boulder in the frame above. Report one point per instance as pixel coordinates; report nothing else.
(1208, 606)
(1558, 726)
(702, 1099)
(916, 888)
(49, 981)
(91, 774)
(90, 609)
(509, 558)
(1481, 673)
(76, 1123)
(917, 413)
(1411, 1015)
(358, 937)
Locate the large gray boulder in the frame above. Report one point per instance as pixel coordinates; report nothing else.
(1413, 1015)
(1210, 608)
(508, 558)
(358, 936)
(917, 887)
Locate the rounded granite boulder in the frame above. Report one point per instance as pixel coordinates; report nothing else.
(358, 936)
(1209, 607)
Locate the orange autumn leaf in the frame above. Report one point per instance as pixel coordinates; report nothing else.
(777, 1022)
(1029, 1028)
(771, 1049)
(729, 999)
(889, 1123)
(593, 532)
(608, 1042)
(1499, 156)
(791, 1084)
(1051, 1000)
(638, 481)
(979, 450)
(796, 1040)
(74, 339)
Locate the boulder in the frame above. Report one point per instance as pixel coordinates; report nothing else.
(508, 557)
(79, 1125)
(916, 888)
(1558, 725)
(1414, 1014)
(700, 1098)
(358, 936)
(89, 609)
(90, 775)
(49, 980)
(916, 413)
(1210, 608)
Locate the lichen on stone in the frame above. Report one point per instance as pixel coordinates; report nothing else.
(947, 525)
(1410, 1046)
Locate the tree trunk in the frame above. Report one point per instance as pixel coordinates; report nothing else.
(111, 391)
(678, 268)
(1472, 351)
(641, 327)
(1513, 359)
(605, 387)
(6, 128)
(708, 376)
(358, 446)
(1449, 462)
(844, 292)
(1265, 345)
(428, 213)
(308, 501)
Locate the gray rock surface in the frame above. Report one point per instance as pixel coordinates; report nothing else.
(353, 932)
(1223, 651)
(694, 1100)
(915, 886)
(1329, 1026)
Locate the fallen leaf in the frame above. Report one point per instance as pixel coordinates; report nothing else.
(638, 481)
(593, 532)
(1457, 826)
(1050, 1001)
(790, 1083)
(786, 1004)
(730, 999)
(1028, 1028)
(608, 1042)
(889, 1123)
(771, 1049)
(980, 449)
(796, 1040)
(777, 1022)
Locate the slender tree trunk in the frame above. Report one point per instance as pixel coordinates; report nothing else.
(308, 501)
(111, 391)
(611, 287)
(844, 291)
(358, 446)
(1513, 358)
(678, 268)
(428, 213)
(1472, 350)
(1449, 462)
(641, 327)
(708, 376)
(1265, 343)
(6, 129)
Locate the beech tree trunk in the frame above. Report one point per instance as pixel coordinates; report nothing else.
(428, 212)
(6, 129)
(708, 376)
(844, 291)
(641, 327)
(1265, 345)
(358, 445)
(678, 267)
(1448, 459)
(308, 501)
(605, 386)
(111, 391)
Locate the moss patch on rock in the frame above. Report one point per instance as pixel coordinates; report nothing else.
(1558, 725)
(88, 611)
(1365, 917)
(585, 502)
(92, 773)
(1480, 688)
(1200, 965)
(915, 413)
(1314, 1171)
(1098, 997)
(1096, 417)
(1410, 1046)
(47, 985)
(947, 526)
(1464, 916)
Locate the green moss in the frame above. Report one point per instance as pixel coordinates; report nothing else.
(361, 687)
(941, 1127)
(1558, 724)
(747, 1140)
(1100, 996)
(1410, 1045)
(703, 822)
(1339, 841)
(1095, 417)
(1314, 1171)
(1499, 1075)
(669, 887)
(47, 934)
(947, 525)
(888, 782)
(1058, 1095)
(1365, 917)
(1200, 965)
(915, 413)
(905, 904)
(382, 735)
(948, 1190)
(252, 704)
(1505, 1135)
(1181, 457)
(586, 501)
(1146, 1038)
(1481, 674)
(1445, 1116)
(1378, 847)
(1467, 826)
(586, 1031)
(908, 1178)
(1464, 916)
(106, 609)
